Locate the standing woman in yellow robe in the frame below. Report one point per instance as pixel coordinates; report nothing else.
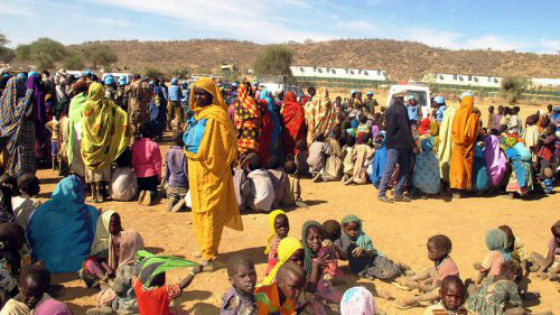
(463, 133)
(210, 144)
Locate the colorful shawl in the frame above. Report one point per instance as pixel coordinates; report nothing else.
(320, 115)
(62, 230)
(12, 111)
(495, 160)
(106, 130)
(246, 121)
(293, 118)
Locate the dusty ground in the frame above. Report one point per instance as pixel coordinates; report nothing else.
(399, 230)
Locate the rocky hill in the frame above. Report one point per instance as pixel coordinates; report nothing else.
(401, 59)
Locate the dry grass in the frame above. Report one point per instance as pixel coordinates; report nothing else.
(402, 60)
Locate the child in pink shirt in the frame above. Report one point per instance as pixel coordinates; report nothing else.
(146, 161)
(429, 282)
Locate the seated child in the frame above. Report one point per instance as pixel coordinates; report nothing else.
(32, 297)
(119, 297)
(348, 163)
(280, 297)
(496, 242)
(357, 300)
(279, 181)
(280, 227)
(425, 176)
(317, 155)
(333, 164)
(549, 266)
(14, 255)
(124, 184)
(105, 251)
(176, 175)
(240, 299)
(429, 282)
(365, 261)
(258, 190)
(318, 265)
(331, 231)
(516, 249)
(301, 158)
(294, 193)
(24, 204)
(361, 154)
(152, 292)
(451, 296)
(146, 161)
(497, 293)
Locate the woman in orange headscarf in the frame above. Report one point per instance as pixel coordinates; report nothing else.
(210, 144)
(464, 132)
(293, 118)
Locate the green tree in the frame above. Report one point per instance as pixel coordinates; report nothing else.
(6, 54)
(152, 73)
(274, 60)
(512, 88)
(44, 52)
(74, 62)
(100, 55)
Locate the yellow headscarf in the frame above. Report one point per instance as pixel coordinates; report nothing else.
(217, 110)
(271, 218)
(286, 249)
(102, 239)
(106, 130)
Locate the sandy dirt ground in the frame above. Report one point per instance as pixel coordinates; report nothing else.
(399, 230)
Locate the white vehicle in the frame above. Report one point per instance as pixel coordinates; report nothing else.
(421, 92)
(117, 76)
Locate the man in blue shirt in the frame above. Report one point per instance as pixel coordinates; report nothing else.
(440, 103)
(174, 108)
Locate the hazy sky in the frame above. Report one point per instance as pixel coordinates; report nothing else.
(520, 25)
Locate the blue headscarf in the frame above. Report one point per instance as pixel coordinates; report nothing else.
(496, 239)
(62, 230)
(267, 96)
(379, 161)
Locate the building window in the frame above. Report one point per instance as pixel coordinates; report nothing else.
(333, 71)
(366, 73)
(470, 77)
(455, 77)
(301, 69)
(441, 77)
(352, 72)
(460, 78)
(475, 79)
(319, 70)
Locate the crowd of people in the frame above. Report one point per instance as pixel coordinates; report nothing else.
(242, 148)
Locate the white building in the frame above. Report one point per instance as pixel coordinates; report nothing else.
(491, 81)
(544, 82)
(319, 73)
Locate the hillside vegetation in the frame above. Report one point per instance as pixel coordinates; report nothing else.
(401, 59)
